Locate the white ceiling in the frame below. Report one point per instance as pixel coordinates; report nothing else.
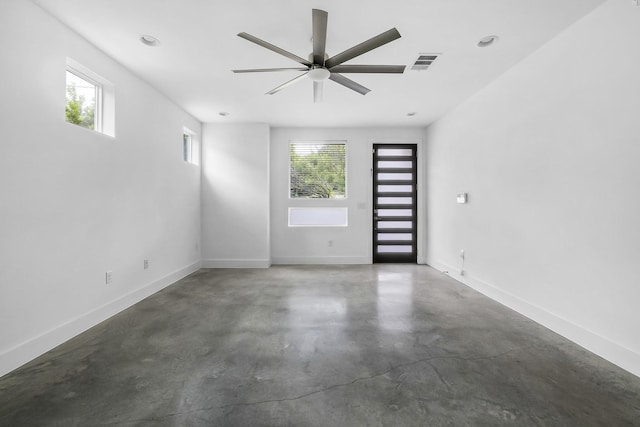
(199, 48)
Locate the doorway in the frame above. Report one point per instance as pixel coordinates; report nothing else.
(395, 204)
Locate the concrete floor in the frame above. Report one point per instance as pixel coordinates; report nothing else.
(381, 345)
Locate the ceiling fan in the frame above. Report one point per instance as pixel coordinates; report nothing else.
(320, 67)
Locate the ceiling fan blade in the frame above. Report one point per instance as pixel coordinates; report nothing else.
(317, 91)
(287, 84)
(364, 47)
(268, 70)
(340, 79)
(274, 48)
(319, 18)
(392, 69)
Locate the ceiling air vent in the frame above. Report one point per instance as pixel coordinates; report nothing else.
(424, 61)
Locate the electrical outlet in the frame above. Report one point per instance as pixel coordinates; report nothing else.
(146, 264)
(462, 254)
(108, 277)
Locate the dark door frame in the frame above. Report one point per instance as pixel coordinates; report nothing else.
(415, 205)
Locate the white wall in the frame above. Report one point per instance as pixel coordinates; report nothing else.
(235, 195)
(549, 156)
(310, 245)
(74, 203)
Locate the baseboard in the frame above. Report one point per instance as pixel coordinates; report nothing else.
(34, 347)
(287, 260)
(236, 263)
(615, 353)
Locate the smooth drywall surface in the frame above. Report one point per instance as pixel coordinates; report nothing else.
(329, 245)
(549, 156)
(235, 195)
(75, 204)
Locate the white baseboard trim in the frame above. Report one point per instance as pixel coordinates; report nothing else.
(613, 352)
(287, 260)
(236, 263)
(36, 346)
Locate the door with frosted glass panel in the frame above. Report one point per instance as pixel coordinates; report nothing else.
(394, 203)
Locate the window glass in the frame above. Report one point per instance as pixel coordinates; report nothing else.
(190, 146)
(317, 170)
(83, 107)
(186, 147)
(318, 217)
(90, 99)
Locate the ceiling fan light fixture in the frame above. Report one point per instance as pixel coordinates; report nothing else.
(319, 74)
(488, 41)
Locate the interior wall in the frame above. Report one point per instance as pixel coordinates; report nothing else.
(235, 195)
(328, 245)
(549, 154)
(76, 204)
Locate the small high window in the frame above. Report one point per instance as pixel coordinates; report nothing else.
(84, 101)
(89, 99)
(189, 147)
(186, 147)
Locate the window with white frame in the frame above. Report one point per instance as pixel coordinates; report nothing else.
(84, 106)
(318, 174)
(89, 99)
(189, 147)
(317, 170)
(186, 147)
(320, 216)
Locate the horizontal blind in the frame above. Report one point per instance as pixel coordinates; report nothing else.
(317, 170)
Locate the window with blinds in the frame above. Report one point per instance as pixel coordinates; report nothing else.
(317, 170)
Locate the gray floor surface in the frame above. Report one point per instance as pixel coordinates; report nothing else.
(365, 345)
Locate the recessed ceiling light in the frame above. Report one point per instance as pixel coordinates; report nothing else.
(223, 113)
(149, 40)
(487, 41)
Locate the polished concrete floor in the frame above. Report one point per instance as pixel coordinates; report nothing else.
(381, 345)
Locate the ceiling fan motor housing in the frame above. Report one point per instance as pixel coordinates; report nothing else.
(318, 73)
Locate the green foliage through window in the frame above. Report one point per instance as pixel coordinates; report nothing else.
(186, 147)
(317, 170)
(81, 101)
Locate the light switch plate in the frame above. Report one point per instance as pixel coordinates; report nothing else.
(462, 198)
